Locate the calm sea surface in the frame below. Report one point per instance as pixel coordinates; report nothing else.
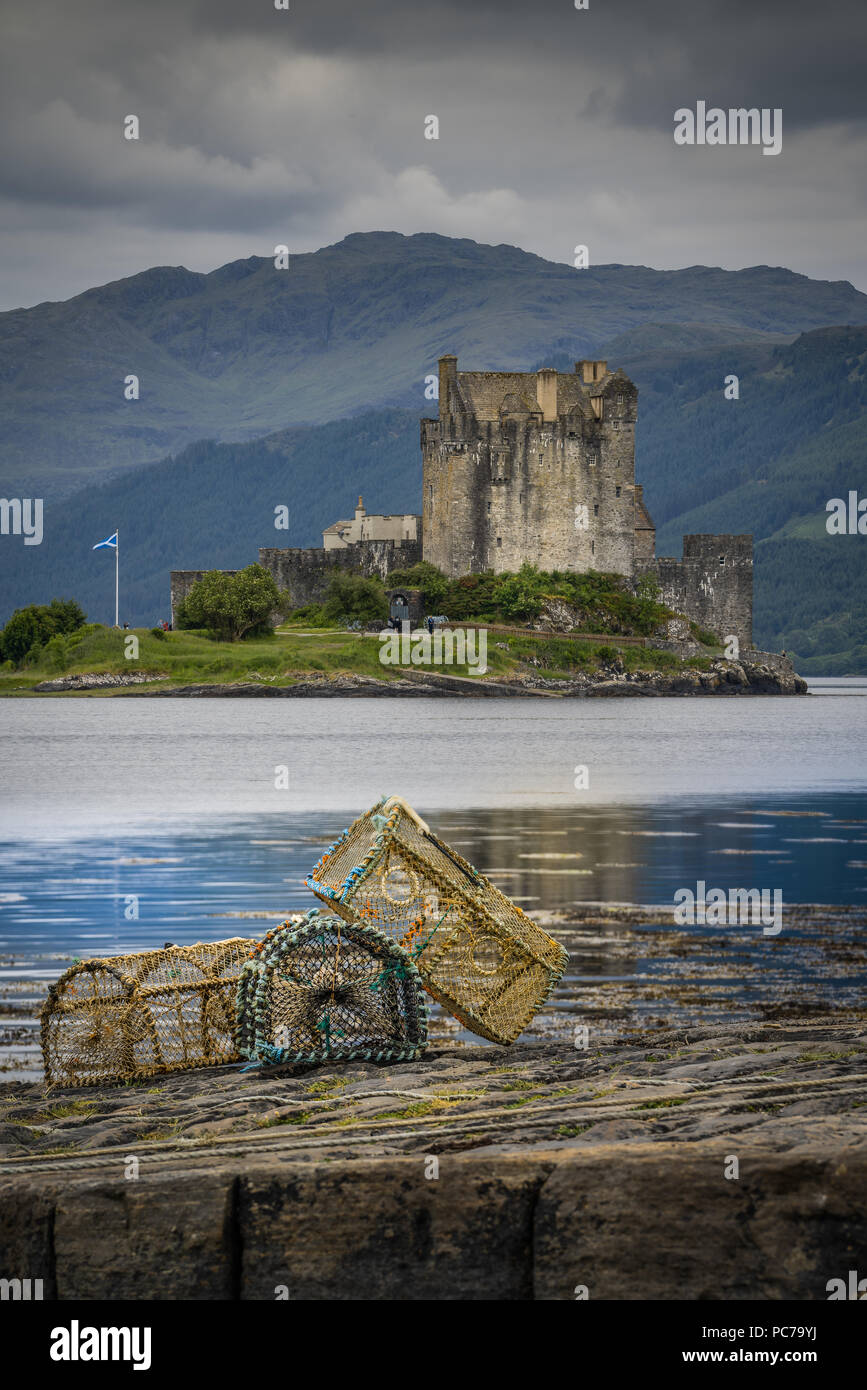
(127, 823)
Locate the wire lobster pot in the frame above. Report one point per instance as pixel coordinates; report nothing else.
(477, 953)
(330, 990)
(123, 1018)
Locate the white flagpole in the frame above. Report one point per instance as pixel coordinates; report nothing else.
(116, 578)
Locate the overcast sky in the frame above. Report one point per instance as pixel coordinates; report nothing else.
(261, 126)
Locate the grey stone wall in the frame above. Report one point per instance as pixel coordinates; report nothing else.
(776, 661)
(306, 573)
(712, 584)
(511, 457)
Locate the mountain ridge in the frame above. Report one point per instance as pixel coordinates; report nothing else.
(245, 350)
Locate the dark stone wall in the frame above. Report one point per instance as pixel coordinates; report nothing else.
(712, 584)
(306, 573)
(501, 1225)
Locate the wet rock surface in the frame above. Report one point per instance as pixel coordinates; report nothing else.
(724, 679)
(476, 1173)
(631, 972)
(705, 1137)
(786, 1085)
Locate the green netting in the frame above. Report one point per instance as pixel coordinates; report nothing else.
(328, 991)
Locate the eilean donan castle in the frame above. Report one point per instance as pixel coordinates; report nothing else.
(529, 466)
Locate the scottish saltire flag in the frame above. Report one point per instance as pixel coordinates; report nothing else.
(111, 543)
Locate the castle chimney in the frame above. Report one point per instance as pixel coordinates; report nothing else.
(448, 375)
(546, 392)
(590, 370)
(360, 510)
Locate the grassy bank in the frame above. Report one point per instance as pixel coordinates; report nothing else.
(295, 654)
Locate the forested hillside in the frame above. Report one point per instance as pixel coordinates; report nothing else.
(249, 349)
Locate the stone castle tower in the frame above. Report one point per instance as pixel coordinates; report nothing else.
(536, 466)
(540, 466)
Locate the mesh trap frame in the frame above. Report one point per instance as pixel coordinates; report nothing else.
(122, 1018)
(477, 953)
(328, 991)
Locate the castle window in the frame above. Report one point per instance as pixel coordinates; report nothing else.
(520, 496)
(620, 398)
(722, 559)
(595, 508)
(489, 506)
(617, 492)
(592, 547)
(499, 540)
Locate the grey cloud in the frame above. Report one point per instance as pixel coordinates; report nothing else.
(261, 126)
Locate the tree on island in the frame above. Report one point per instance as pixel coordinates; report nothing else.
(233, 606)
(31, 628)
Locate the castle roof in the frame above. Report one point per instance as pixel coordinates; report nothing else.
(598, 388)
(516, 403)
(490, 395)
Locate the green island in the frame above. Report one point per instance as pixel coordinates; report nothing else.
(242, 631)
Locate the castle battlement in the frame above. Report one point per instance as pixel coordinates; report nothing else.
(536, 466)
(540, 467)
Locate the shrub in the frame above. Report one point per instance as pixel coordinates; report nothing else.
(311, 614)
(354, 599)
(232, 606)
(54, 654)
(521, 595)
(433, 583)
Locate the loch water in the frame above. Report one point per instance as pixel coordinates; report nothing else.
(126, 823)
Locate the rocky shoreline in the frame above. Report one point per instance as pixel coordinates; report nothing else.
(573, 1158)
(725, 678)
(475, 1173)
